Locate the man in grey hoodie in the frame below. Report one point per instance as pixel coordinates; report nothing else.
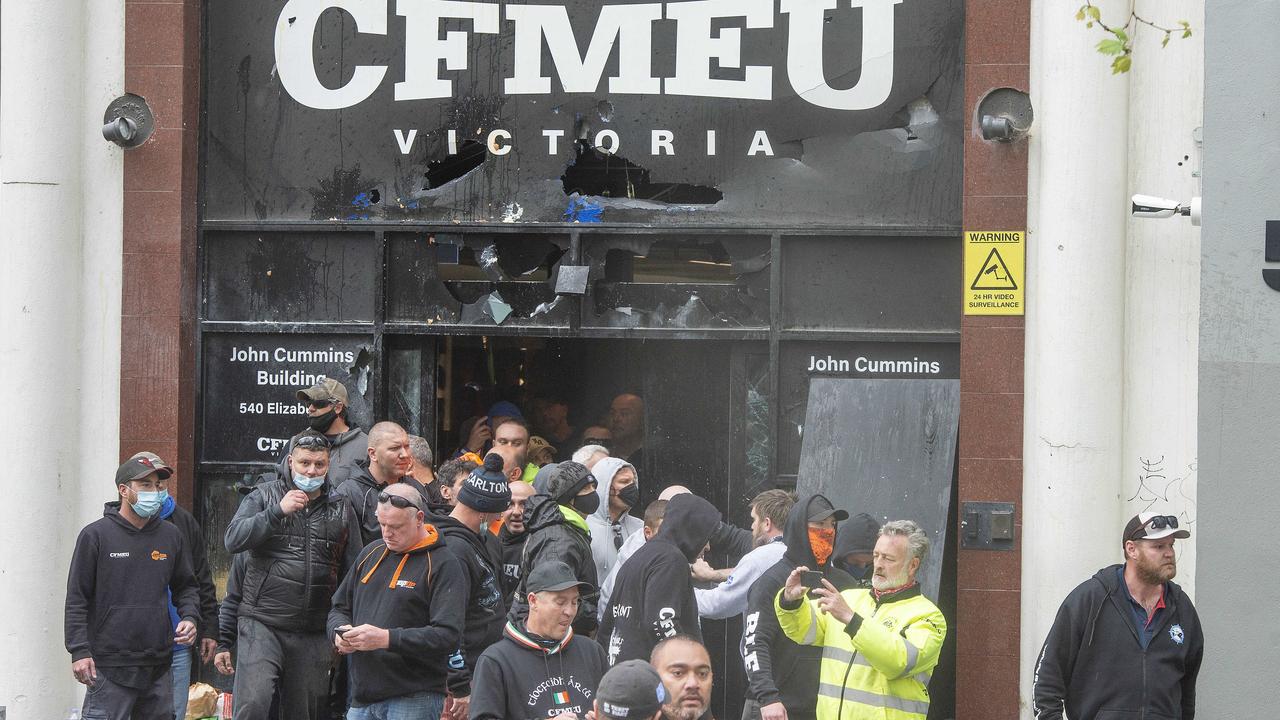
(618, 486)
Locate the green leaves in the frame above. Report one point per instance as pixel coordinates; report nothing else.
(1119, 46)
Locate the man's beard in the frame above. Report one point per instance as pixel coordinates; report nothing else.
(1156, 573)
(889, 582)
(680, 711)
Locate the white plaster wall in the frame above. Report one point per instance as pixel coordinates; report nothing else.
(60, 283)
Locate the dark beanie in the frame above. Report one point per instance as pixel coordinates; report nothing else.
(485, 489)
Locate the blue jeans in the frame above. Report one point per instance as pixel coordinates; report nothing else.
(181, 681)
(418, 706)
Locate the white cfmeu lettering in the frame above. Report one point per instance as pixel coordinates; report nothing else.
(701, 43)
(119, 554)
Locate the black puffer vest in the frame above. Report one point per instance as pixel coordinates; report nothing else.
(289, 581)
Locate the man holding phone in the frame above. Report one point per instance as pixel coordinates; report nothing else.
(397, 616)
(879, 646)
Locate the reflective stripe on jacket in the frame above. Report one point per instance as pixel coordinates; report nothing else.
(881, 671)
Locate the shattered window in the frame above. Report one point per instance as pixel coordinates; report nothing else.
(290, 277)
(656, 281)
(493, 280)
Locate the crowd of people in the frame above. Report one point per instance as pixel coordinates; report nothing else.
(380, 586)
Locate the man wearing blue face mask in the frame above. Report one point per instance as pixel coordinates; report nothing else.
(123, 571)
(301, 538)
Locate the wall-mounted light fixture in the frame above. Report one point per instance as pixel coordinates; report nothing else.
(128, 121)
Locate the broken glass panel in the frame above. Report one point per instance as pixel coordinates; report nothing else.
(677, 281)
(476, 279)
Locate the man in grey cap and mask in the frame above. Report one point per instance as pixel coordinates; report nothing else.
(326, 404)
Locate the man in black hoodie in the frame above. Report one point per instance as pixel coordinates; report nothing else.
(653, 598)
(540, 669)
(396, 614)
(484, 496)
(782, 677)
(388, 460)
(117, 627)
(300, 539)
(1126, 642)
(556, 521)
(512, 536)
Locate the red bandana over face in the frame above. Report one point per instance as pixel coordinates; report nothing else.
(823, 541)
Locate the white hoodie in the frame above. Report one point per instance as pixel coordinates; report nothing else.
(603, 549)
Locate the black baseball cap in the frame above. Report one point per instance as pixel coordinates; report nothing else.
(631, 690)
(551, 576)
(821, 508)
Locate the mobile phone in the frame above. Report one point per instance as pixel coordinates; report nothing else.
(811, 579)
(342, 632)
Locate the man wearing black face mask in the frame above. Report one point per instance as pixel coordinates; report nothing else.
(326, 403)
(555, 520)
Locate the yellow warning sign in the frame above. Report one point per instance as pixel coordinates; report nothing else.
(994, 263)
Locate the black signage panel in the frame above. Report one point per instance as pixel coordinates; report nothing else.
(774, 112)
(251, 382)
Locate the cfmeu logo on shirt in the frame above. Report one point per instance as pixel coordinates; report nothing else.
(157, 555)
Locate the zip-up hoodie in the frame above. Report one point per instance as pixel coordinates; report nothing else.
(527, 676)
(558, 532)
(601, 525)
(480, 596)
(118, 587)
(361, 490)
(779, 670)
(414, 595)
(653, 598)
(1093, 664)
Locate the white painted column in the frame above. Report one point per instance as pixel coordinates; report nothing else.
(1077, 208)
(60, 288)
(1166, 96)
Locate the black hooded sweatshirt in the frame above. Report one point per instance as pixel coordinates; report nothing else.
(777, 668)
(414, 595)
(512, 551)
(481, 596)
(1093, 664)
(118, 587)
(554, 536)
(525, 676)
(653, 596)
(361, 490)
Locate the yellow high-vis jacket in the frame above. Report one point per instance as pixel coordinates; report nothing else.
(878, 666)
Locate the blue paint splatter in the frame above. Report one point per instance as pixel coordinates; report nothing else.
(582, 210)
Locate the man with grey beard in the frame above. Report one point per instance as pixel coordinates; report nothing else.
(1128, 639)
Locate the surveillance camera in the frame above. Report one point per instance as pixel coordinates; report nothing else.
(120, 131)
(1150, 206)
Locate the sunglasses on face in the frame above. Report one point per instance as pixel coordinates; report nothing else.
(319, 404)
(1159, 522)
(312, 442)
(617, 537)
(398, 501)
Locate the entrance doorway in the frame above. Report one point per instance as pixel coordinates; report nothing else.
(705, 419)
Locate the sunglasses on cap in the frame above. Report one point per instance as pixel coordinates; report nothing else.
(1159, 522)
(311, 442)
(398, 501)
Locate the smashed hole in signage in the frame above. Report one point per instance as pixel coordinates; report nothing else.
(597, 172)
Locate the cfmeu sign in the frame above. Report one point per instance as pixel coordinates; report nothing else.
(700, 43)
(994, 267)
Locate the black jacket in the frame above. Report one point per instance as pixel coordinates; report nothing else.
(118, 589)
(229, 610)
(653, 595)
(552, 536)
(414, 595)
(1093, 663)
(193, 542)
(518, 678)
(779, 670)
(512, 552)
(345, 450)
(361, 490)
(480, 596)
(295, 561)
